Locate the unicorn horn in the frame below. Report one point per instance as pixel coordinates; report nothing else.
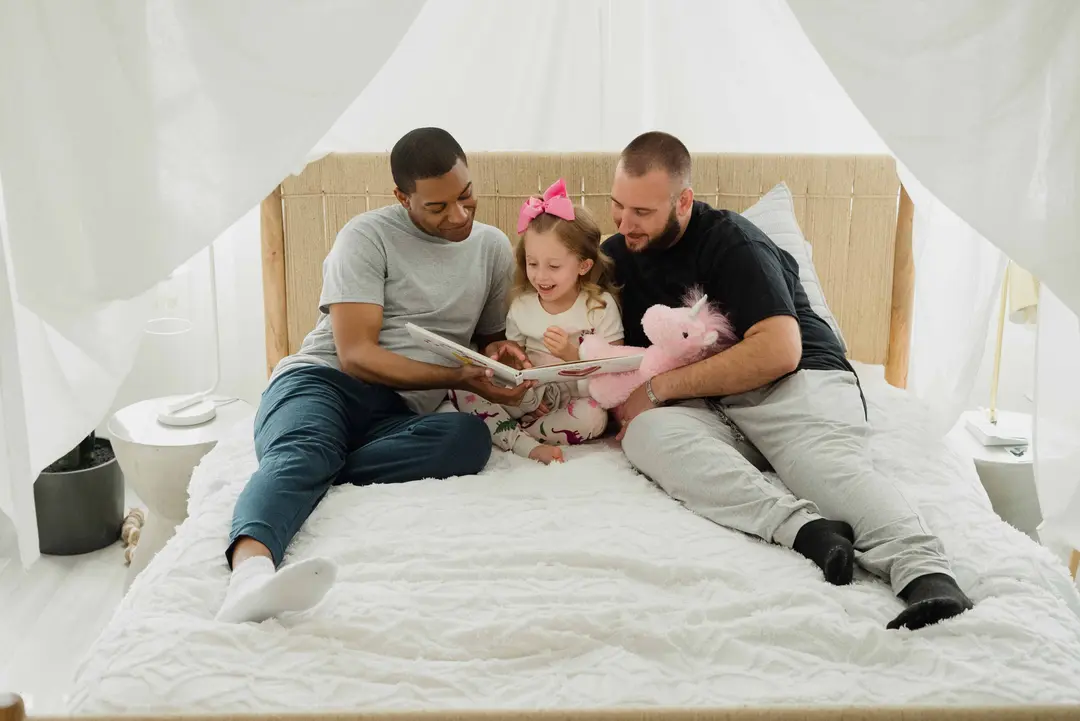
(698, 306)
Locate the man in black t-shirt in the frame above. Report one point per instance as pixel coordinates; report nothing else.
(783, 397)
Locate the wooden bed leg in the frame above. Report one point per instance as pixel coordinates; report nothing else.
(903, 295)
(11, 708)
(272, 231)
(1074, 562)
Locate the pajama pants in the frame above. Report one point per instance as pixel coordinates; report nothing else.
(812, 430)
(317, 427)
(512, 429)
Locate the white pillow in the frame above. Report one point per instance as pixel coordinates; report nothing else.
(775, 215)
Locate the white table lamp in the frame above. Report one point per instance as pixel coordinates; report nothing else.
(1019, 302)
(198, 408)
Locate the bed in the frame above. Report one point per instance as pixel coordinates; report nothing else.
(582, 590)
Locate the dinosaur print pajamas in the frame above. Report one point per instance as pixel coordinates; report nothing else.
(572, 416)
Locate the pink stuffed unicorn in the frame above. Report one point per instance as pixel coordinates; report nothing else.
(679, 336)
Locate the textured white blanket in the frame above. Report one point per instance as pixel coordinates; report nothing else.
(583, 585)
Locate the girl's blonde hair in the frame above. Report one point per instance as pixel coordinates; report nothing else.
(582, 237)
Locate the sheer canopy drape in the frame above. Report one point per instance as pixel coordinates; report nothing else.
(980, 100)
(131, 135)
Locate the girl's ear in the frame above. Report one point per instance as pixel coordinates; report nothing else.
(586, 266)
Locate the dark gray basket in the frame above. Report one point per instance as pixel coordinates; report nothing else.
(80, 511)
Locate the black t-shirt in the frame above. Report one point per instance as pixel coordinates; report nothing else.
(741, 270)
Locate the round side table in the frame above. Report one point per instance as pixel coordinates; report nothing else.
(1008, 477)
(158, 461)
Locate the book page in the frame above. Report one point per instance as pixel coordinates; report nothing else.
(580, 370)
(465, 356)
(505, 375)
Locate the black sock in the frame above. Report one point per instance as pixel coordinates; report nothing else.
(829, 544)
(931, 598)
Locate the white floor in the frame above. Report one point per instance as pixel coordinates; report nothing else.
(49, 616)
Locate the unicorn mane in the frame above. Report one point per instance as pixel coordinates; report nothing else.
(711, 316)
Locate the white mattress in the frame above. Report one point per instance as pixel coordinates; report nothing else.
(583, 585)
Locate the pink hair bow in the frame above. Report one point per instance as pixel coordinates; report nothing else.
(555, 202)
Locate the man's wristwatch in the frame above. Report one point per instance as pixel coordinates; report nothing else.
(652, 396)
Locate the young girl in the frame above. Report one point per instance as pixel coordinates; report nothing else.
(563, 291)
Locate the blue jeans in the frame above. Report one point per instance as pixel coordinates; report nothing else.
(317, 427)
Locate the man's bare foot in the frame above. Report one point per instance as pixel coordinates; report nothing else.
(546, 454)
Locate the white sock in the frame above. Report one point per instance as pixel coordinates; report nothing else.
(258, 592)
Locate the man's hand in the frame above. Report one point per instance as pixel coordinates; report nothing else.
(478, 380)
(635, 405)
(508, 353)
(557, 341)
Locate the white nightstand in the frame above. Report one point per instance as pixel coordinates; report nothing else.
(157, 461)
(1007, 475)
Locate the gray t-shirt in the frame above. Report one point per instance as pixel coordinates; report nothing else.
(457, 290)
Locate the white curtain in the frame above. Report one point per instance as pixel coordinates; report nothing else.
(14, 461)
(570, 75)
(980, 100)
(131, 135)
(55, 382)
(1057, 423)
(953, 310)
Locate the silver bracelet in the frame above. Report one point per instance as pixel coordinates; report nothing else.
(652, 396)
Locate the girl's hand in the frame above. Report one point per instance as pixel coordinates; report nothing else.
(530, 418)
(509, 353)
(557, 341)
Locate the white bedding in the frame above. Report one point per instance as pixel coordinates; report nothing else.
(584, 586)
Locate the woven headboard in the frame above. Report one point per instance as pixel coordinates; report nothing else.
(846, 205)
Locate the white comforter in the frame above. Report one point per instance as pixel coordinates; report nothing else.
(583, 586)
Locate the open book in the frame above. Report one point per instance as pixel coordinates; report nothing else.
(559, 372)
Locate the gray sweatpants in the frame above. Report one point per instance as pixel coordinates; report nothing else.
(811, 429)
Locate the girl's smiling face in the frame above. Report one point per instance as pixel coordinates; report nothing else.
(552, 268)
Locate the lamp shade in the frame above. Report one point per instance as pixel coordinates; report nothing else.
(1023, 296)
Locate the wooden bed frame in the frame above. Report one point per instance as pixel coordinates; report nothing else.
(852, 210)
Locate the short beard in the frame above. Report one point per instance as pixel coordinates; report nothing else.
(667, 238)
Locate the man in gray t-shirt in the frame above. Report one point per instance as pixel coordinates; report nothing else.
(355, 404)
(457, 289)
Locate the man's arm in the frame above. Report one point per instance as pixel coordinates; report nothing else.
(761, 305)
(769, 350)
(356, 335)
(354, 278)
